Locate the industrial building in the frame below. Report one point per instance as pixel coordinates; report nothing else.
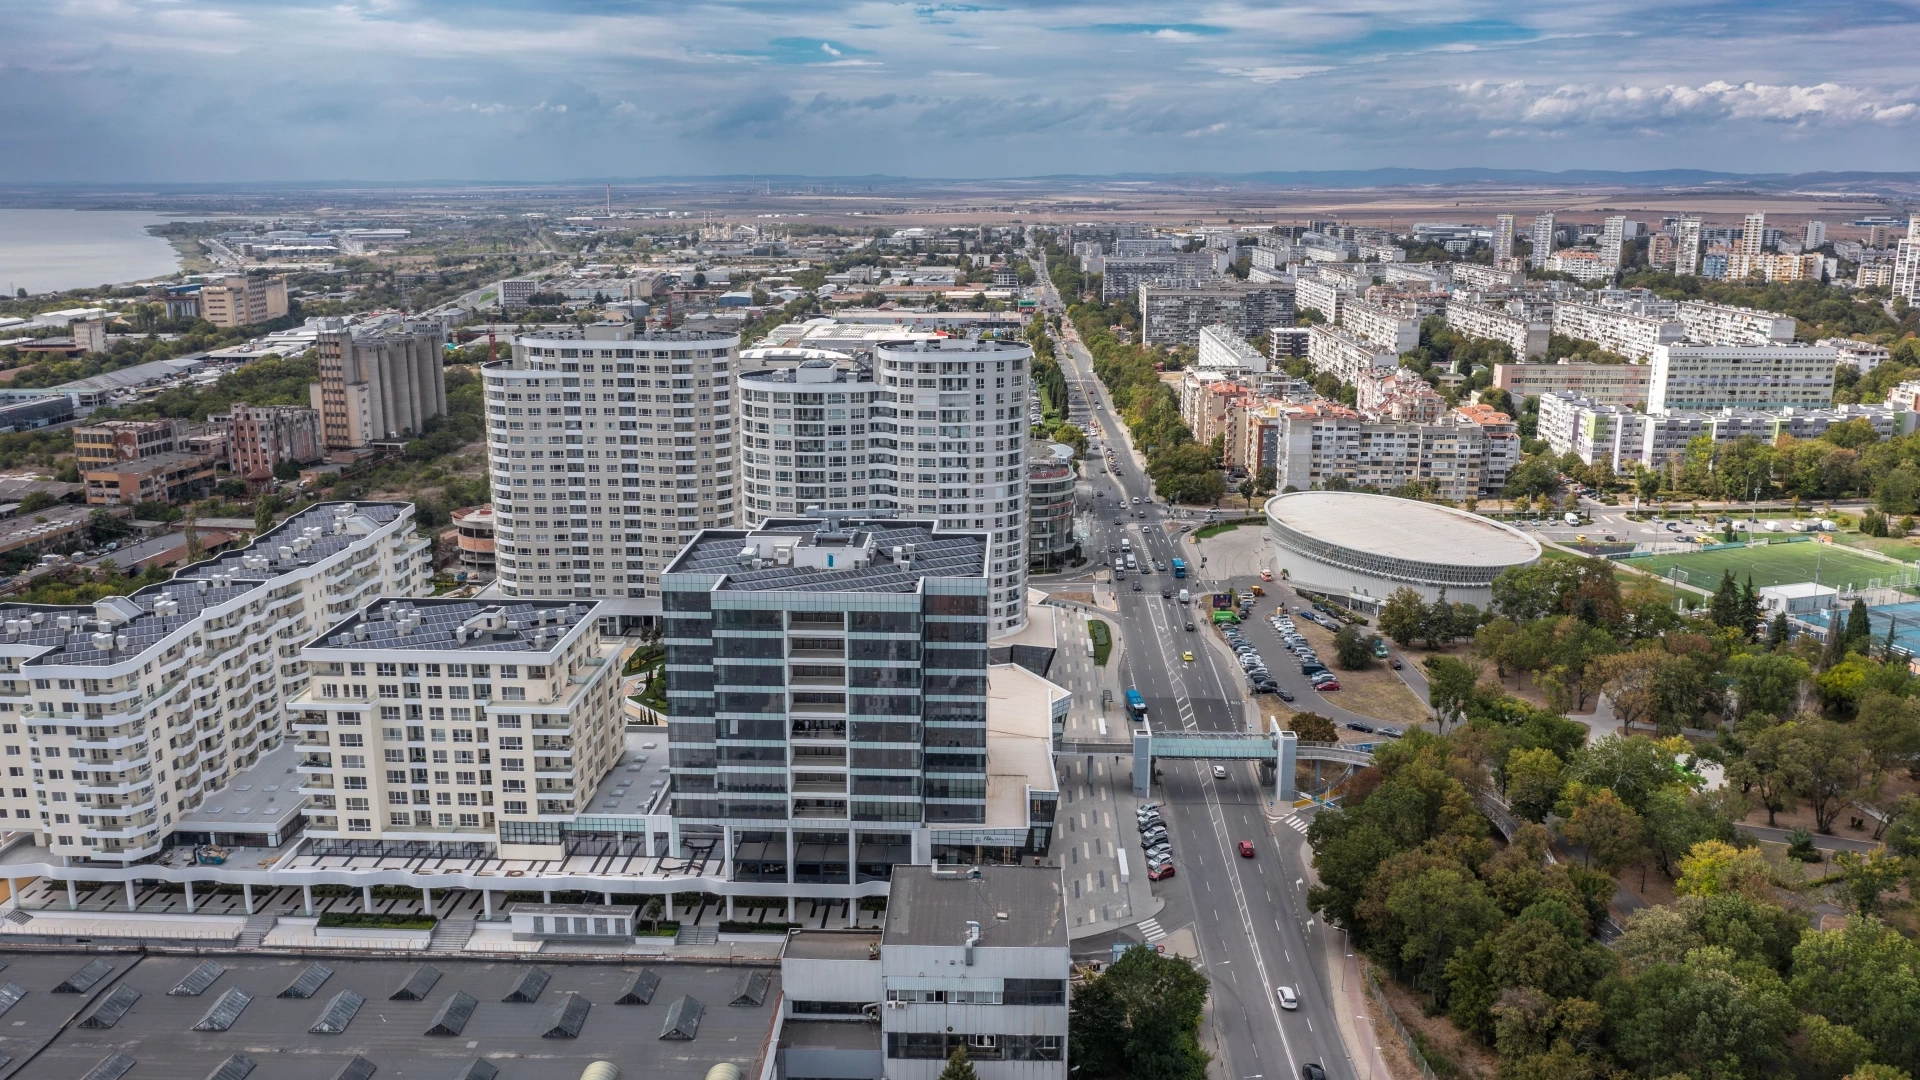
(379, 386)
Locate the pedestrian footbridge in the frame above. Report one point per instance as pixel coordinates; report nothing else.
(1280, 751)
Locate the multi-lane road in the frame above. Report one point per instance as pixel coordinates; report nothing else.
(1249, 916)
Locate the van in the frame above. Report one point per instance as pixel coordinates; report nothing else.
(1131, 565)
(1185, 596)
(1126, 544)
(1573, 519)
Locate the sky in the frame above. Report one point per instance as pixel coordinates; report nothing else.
(227, 91)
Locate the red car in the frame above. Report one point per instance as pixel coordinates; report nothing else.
(1246, 849)
(1158, 874)
(1323, 687)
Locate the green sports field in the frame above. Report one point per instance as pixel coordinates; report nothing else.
(1775, 564)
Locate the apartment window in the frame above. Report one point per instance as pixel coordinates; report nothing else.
(469, 821)
(398, 819)
(359, 824)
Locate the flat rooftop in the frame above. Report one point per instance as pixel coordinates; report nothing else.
(157, 1032)
(1401, 528)
(1019, 742)
(926, 910)
(262, 798)
(302, 540)
(833, 945)
(457, 625)
(857, 556)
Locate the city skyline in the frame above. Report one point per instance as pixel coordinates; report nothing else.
(407, 90)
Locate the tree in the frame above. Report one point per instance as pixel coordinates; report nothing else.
(1725, 609)
(1353, 648)
(1450, 687)
(1631, 768)
(1607, 828)
(1778, 632)
(1717, 868)
(1403, 616)
(1312, 727)
(1140, 1020)
(1864, 975)
(1439, 911)
(1767, 683)
(1627, 680)
(1533, 782)
(1772, 769)
(958, 1067)
(103, 525)
(1834, 768)
(1675, 819)
(1859, 633)
(1699, 1018)
(1439, 627)
(1869, 876)
(1889, 727)
(35, 501)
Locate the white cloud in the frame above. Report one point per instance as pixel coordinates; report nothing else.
(1524, 104)
(1273, 74)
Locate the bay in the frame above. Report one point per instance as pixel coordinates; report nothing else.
(48, 250)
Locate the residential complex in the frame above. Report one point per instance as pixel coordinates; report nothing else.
(1616, 329)
(597, 481)
(1623, 438)
(1325, 294)
(456, 722)
(837, 474)
(1122, 275)
(1724, 324)
(1606, 384)
(1686, 377)
(1175, 314)
(132, 710)
(380, 386)
(1522, 332)
(1321, 443)
(1540, 233)
(1050, 483)
(1344, 355)
(1221, 349)
(1905, 280)
(1686, 247)
(1388, 325)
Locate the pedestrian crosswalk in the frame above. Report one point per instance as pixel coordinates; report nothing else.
(1151, 929)
(1297, 824)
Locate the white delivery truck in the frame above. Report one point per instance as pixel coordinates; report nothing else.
(1185, 596)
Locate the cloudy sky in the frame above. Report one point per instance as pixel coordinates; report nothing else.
(243, 90)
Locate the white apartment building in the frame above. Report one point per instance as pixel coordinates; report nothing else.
(1615, 330)
(1906, 263)
(1324, 294)
(1862, 356)
(607, 454)
(1607, 384)
(950, 438)
(1392, 327)
(1502, 239)
(121, 717)
(1688, 377)
(1624, 438)
(1222, 349)
(1686, 247)
(1525, 335)
(1475, 276)
(1318, 444)
(1724, 324)
(1541, 234)
(1613, 233)
(1344, 355)
(783, 473)
(456, 722)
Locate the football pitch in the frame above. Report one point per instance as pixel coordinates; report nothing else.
(1778, 564)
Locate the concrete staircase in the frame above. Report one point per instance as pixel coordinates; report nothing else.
(450, 935)
(697, 935)
(255, 930)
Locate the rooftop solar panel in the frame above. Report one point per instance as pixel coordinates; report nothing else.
(309, 982)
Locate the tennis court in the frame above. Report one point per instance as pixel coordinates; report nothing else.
(1778, 564)
(1905, 619)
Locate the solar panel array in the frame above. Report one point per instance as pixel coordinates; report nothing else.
(10, 996)
(235, 579)
(934, 555)
(639, 989)
(526, 990)
(752, 988)
(438, 619)
(309, 982)
(683, 1020)
(569, 1018)
(357, 1069)
(479, 1070)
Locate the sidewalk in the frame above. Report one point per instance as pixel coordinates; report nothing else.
(1353, 1012)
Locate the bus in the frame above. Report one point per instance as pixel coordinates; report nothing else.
(1136, 705)
(1179, 568)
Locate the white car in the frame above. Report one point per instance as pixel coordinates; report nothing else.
(1219, 772)
(1288, 999)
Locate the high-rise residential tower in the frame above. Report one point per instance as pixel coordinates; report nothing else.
(607, 454)
(1686, 247)
(1613, 234)
(1541, 233)
(950, 444)
(805, 436)
(1906, 263)
(1502, 240)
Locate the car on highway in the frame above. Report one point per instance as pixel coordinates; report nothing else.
(1136, 586)
(1288, 999)
(1246, 849)
(1160, 873)
(1189, 626)
(1219, 772)
(1166, 594)
(1187, 656)
(1312, 1071)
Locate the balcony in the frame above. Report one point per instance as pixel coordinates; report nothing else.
(820, 787)
(819, 731)
(819, 808)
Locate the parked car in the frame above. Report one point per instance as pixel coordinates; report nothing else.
(1390, 731)
(1285, 694)
(1360, 726)
(1160, 873)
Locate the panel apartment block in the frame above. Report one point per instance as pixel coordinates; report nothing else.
(1632, 336)
(1607, 384)
(379, 386)
(113, 442)
(1388, 326)
(265, 436)
(244, 301)
(118, 718)
(1724, 324)
(1690, 378)
(1525, 335)
(608, 455)
(473, 728)
(1175, 315)
(1344, 355)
